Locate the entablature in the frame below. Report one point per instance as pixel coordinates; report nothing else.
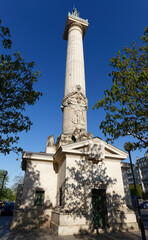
(35, 156)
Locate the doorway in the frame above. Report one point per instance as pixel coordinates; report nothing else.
(99, 208)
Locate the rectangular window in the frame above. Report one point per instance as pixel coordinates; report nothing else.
(39, 198)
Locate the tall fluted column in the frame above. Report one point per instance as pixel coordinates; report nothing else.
(75, 60)
(74, 103)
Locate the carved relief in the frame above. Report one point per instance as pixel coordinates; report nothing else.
(78, 103)
(96, 151)
(79, 134)
(74, 98)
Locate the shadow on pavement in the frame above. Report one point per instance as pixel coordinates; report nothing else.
(48, 234)
(5, 222)
(33, 234)
(109, 236)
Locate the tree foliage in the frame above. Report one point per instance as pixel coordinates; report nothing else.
(9, 193)
(126, 103)
(138, 188)
(17, 180)
(16, 92)
(3, 185)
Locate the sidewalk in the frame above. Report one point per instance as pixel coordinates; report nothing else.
(47, 234)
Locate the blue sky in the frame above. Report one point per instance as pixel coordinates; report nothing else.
(37, 28)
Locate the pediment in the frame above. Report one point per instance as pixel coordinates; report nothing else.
(94, 148)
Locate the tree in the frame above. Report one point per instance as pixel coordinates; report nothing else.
(10, 195)
(126, 102)
(16, 92)
(17, 180)
(133, 191)
(3, 183)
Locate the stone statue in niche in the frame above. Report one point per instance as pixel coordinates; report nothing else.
(50, 141)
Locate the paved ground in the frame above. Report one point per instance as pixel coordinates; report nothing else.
(46, 234)
(5, 222)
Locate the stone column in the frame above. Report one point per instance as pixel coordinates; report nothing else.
(75, 60)
(74, 103)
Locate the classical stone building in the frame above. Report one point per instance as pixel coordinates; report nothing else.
(76, 184)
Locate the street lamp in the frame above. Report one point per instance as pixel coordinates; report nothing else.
(129, 147)
(4, 174)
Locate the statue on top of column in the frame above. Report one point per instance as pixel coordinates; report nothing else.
(75, 12)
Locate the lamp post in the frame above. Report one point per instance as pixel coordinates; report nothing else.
(128, 147)
(4, 174)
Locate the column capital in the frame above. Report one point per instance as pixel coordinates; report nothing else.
(74, 20)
